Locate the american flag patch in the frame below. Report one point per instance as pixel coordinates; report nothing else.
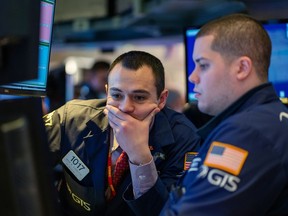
(189, 156)
(226, 157)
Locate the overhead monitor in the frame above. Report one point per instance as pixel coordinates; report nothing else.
(19, 35)
(37, 87)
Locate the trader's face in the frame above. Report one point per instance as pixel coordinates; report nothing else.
(134, 91)
(212, 76)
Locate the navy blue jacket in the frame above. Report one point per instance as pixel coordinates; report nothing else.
(81, 126)
(254, 180)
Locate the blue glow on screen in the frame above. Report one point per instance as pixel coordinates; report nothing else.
(189, 46)
(278, 73)
(42, 70)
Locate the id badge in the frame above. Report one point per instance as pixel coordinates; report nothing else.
(75, 165)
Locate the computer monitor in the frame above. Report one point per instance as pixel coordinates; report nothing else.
(27, 181)
(189, 39)
(278, 74)
(37, 87)
(19, 35)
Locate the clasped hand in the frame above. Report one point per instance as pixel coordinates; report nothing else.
(131, 133)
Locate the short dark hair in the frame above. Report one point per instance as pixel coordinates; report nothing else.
(240, 35)
(137, 59)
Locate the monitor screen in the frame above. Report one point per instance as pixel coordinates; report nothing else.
(19, 36)
(27, 180)
(37, 87)
(278, 75)
(189, 38)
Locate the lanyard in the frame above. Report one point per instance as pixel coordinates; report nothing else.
(109, 174)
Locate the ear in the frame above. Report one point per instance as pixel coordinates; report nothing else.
(106, 88)
(162, 99)
(244, 67)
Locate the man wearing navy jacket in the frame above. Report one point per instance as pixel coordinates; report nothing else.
(242, 166)
(88, 136)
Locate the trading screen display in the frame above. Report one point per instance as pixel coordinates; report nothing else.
(278, 74)
(278, 68)
(37, 86)
(190, 34)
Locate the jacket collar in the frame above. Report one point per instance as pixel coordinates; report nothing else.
(161, 132)
(99, 123)
(251, 98)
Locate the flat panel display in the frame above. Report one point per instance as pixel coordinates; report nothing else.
(19, 36)
(37, 87)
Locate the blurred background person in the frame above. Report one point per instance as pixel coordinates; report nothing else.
(94, 80)
(56, 88)
(174, 100)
